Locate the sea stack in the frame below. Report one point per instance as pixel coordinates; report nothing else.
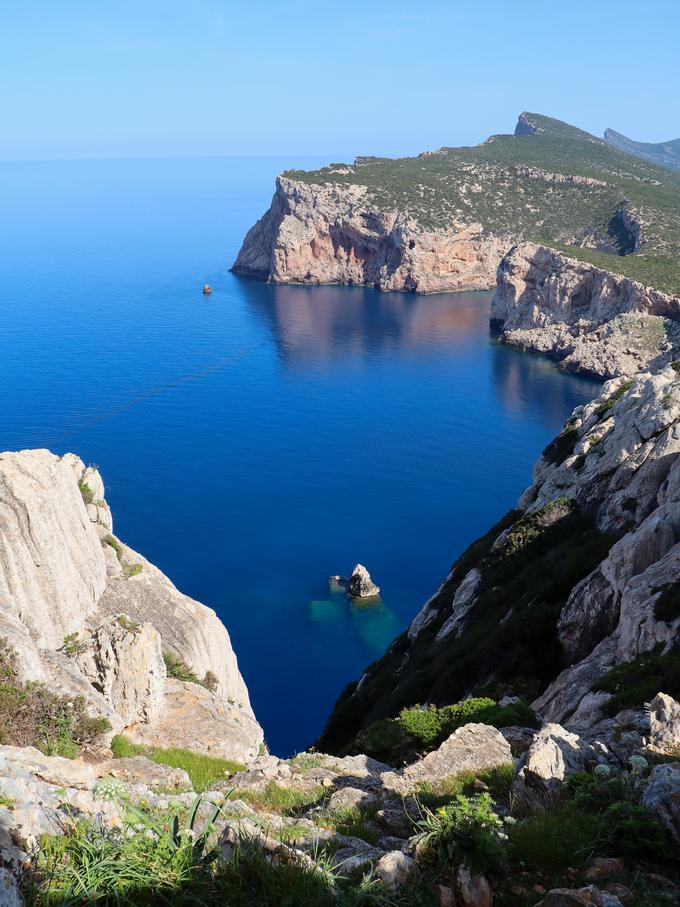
(361, 586)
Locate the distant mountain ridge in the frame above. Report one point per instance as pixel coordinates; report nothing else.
(664, 154)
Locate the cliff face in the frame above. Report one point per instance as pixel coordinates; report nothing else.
(324, 234)
(443, 220)
(587, 318)
(577, 580)
(88, 616)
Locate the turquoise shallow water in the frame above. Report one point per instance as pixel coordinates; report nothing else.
(258, 440)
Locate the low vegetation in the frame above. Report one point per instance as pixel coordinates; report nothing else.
(33, 715)
(203, 770)
(633, 683)
(286, 801)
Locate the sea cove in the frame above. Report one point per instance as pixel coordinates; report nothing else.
(256, 441)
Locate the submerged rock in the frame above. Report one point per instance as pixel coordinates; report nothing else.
(361, 585)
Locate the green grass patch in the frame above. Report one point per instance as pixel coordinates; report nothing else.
(204, 771)
(498, 779)
(285, 801)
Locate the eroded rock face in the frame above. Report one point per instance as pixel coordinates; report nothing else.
(589, 319)
(321, 234)
(124, 661)
(90, 617)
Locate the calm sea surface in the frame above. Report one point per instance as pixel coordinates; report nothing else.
(258, 440)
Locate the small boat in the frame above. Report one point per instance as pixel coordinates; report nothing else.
(207, 289)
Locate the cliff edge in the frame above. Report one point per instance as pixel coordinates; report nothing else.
(89, 617)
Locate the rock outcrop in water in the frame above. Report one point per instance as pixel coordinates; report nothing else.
(589, 319)
(90, 617)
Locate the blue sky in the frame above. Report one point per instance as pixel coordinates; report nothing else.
(112, 78)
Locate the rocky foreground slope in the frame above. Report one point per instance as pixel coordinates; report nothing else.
(89, 617)
(443, 220)
(588, 318)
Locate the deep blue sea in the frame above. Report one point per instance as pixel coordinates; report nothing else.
(258, 440)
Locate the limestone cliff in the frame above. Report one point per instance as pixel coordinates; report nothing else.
(323, 234)
(89, 616)
(443, 220)
(580, 578)
(589, 319)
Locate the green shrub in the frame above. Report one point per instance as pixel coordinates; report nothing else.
(132, 570)
(634, 833)
(553, 840)
(667, 605)
(383, 739)
(466, 830)
(590, 794)
(86, 492)
(431, 725)
(633, 683)
(115, 544)
(203, 770)
(72, 645)
(562, 446)
(32, 715)
(210, 681)
(611, 401)
(178, 668)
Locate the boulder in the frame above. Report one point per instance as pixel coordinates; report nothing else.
(473, 747)
(662, 796)
(360, 584)
(554, 754)
(351, 798)
(395, 868)
(140, 770)
(472, 890)
(664, 723)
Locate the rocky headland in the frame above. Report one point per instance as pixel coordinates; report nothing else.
(444, 220)
(587, 318)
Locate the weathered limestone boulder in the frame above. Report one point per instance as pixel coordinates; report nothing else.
(554, 754)
(472, 890)
(395, 868)
(124, 661)
(473, 747)
(664, 723)
(140, 770)
(360, 584)
(195, 718)
(662, 796)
